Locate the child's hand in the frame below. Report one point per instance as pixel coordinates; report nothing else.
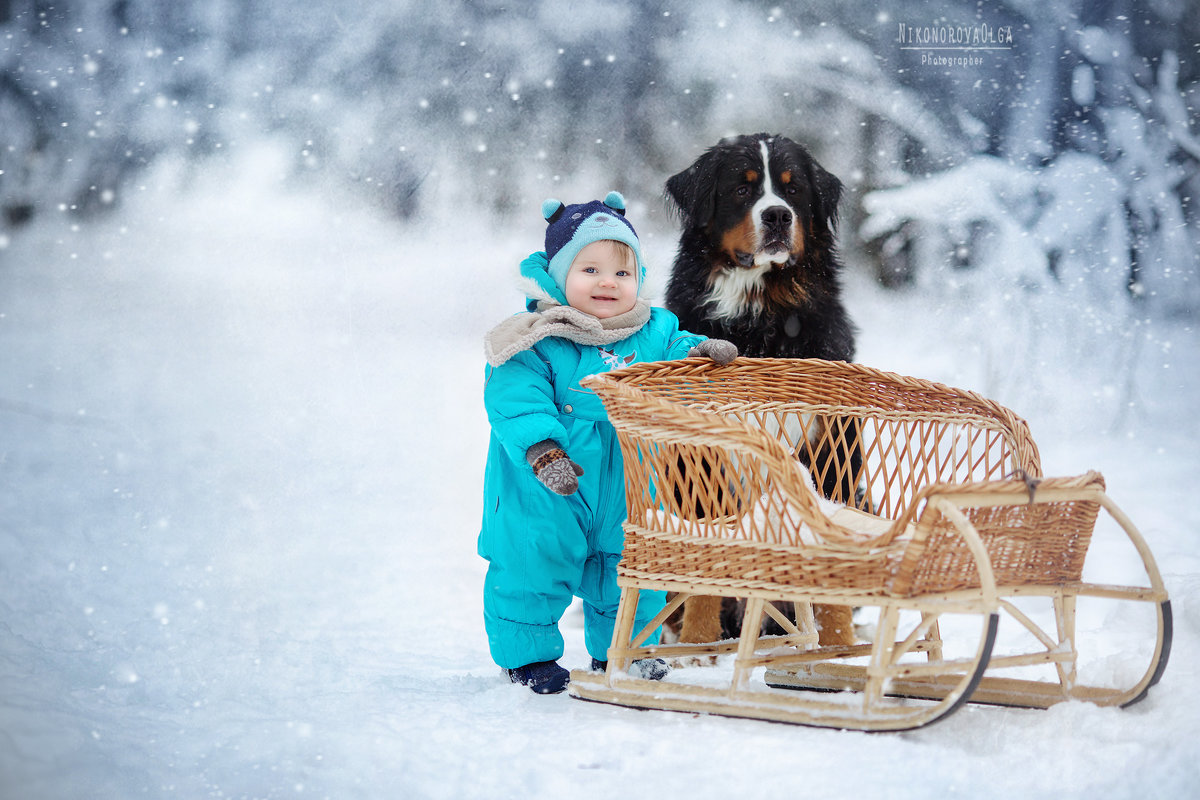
(553, 468)
(718, 350)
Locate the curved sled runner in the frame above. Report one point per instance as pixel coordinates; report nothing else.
(784, 483)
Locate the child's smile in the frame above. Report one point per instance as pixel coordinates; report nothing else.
(601, 281)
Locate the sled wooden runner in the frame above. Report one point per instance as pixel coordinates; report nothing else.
(785, 482)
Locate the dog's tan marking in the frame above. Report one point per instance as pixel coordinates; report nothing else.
(739, 239)
(798, 239)
(785, 177)
(751, 176)
(784, 294)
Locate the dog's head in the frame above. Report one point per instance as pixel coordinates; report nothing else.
(762, 200)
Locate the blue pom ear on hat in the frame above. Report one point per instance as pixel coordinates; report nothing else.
(616, 202)
(552, 209)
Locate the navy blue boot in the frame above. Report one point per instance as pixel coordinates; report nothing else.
(543, 677)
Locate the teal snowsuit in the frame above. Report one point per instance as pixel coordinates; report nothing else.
(543, 548)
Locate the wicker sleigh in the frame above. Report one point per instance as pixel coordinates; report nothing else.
(922, 522)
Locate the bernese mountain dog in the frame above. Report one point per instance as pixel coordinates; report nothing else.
(757, 265)
(757, 262)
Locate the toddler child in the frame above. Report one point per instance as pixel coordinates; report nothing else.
(554, 488)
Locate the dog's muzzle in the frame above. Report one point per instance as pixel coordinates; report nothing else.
(775, 230)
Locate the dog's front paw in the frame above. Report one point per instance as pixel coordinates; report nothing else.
(683, 662)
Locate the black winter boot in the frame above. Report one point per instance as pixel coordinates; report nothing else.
(543, 677)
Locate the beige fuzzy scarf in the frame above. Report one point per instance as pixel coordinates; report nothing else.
(523, 331)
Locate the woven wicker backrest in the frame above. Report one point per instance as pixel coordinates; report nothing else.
(1028, 544)
(858, 429)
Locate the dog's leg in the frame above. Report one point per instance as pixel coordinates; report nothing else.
(701, 624)
(671, 625)
(835, 624)
(701, 620)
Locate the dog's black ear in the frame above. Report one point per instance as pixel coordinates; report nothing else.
(693, 192)
(827, 193)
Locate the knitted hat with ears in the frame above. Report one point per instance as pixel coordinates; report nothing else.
(572, 228)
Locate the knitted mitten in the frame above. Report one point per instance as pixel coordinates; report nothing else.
(718, 350)
(553, 468)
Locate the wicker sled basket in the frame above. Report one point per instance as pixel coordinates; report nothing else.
(785, 483)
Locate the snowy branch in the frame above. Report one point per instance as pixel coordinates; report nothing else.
(1170, 101)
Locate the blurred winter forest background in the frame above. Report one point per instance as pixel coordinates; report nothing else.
(1049, 165)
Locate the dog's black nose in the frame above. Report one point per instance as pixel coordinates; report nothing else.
(777, 217)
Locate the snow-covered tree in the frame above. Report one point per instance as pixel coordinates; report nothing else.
(1091, 110)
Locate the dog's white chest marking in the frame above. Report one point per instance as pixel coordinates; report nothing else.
(734, 291)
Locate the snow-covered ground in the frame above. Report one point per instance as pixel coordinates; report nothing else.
(241, 443)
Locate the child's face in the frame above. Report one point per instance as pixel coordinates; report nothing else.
(601, 281)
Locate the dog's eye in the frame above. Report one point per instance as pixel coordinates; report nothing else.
(742, 191)
(791, 190)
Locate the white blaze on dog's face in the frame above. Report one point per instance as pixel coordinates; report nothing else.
(775, 227)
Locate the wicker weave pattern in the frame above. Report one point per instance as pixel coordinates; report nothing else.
(748, 565)
(916, 432)
(1036, 544)
(716, 495)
